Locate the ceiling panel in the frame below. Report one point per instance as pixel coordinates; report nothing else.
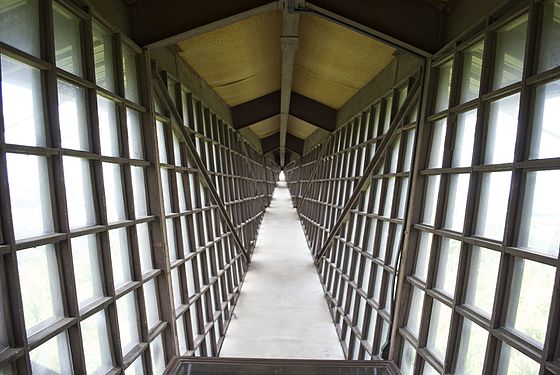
(266, 127)
(299, 128)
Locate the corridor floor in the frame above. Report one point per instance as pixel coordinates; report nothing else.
(281, 312)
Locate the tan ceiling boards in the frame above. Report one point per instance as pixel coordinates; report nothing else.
(299, 128)
(333, 62)
(266, 127)
(241, 61)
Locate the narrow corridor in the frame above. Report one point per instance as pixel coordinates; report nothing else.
(281, 312)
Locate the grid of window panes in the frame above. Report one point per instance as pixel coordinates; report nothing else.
(206, 267)
(358, 272)
(76, 220)
(481, 289)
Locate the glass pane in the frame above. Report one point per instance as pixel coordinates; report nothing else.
(545, 135)
(472, 68)
(128, 325)
(482, 278)
(139, 191)
(502, 130)
(429, 370)
(513, 362)
(130, 74)
(79, 195)
(96, 344)
(166, 192)
(158, 356)
(457, 201)
(171, 239)
(492, 209)
(181, 336)
(150, 296)
(19, 25)
(439, 329)
(136, 368)
(443, 86)
(103, 57)
(387, 116)
(550, 43)
(448, 263)
(527, 310)
(22, 103)
(114, 199)
(430, 200)
(464, 139)
(40, 287)
(408, 359)
(540, 221)
(85, 255)
(72, 118)
(176, 287)
(423, 257)
(53, 357)
(144, 247)
(134, 134)
(4, 342)
(67, 40)
(437, 144)
(30, 195)
(415, 311)
(472, 349)
(510, 50)
(120, 257)
(108, 127)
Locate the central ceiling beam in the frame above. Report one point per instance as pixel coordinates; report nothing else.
(289, 42)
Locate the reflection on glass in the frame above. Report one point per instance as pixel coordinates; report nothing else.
(510, 51)
(72, 116)
(67, 40)
(423, 257)
(131, 89)
(528, 309)
(448, 263)
(52, 357)
(128, 322)
(464, 139)
(415, 311)
(96, 344)
(85, 256)
(471, 74)
(134, 134)
(437, 144)
(443, 86)
(30, 195)
(549, 56)
(502, 130)
(439, 329)
(22, 103)
(139, 191)
(108, 128)
(144, 247)
(103, 57)
(79, 195)
(457, 201)
(19, 25)
(114, 199)
(540, 221)
(513, 362)
(545, 136)
(40, 287)
(150, 297)
(492, 209)
(472, 349)
(482, 278)
(120, 257)
(430, 199)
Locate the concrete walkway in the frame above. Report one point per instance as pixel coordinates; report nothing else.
(281, 312)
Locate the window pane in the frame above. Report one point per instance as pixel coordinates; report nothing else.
(439, 329)
(103, 57)
(22, 103)
(408, 359)
(472, 68)
(120, 257)
(166, 192)
(430, 200)
(415, 311)
(4, 342)
(457, 201)
(114, 199)
(79, 195)
(160, 127)
(550, 43)
(171, 239)
(158, 356)
(144, 247)
(545, 135)
(437, 144)
(512, 362)
(423, 257)
(139, 191)
(136, 368)
(527, 310)
(492, 209)
(472, 349)
(540, 221)
(67, 40)
(96, 344)
(108, 128)
(150, 296)
(134, 134)
(53, 357)
(40, 287)
(30, 195)
(130, 74)
(387, 118)
(448, 264)
(482, 278)
(510, 50)
(181, 335)
(464, 139)
(443, 86)
(19, 25)
(128, 325)
(502, 130)
(72, 116)
(85, 255)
